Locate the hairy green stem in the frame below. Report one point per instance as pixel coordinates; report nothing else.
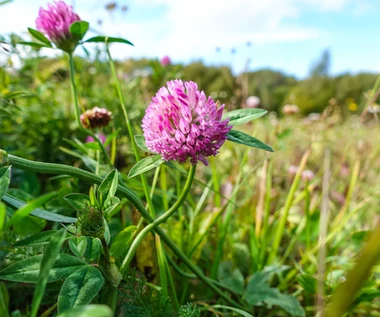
(159, 220)
(148, 197)
(74, 95)
(164, 186)
(112, 274)
(54, 169)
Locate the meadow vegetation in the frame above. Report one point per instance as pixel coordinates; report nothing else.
(292, 232)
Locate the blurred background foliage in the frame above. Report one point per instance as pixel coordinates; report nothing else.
(35, 88)
(36, 120)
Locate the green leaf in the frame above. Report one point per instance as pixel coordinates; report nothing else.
(92, 146)
(3, 215)
(77, 145)
(236, 310)
(258, 292)
(48, 259)
(122, 241)
(5, 179)
(33, 44)
(366, 295)
(110, 137)
(88, 311)
(245, 139)
(79, 29)
(80, 288)
(232, 279)
(36, 240)
(79, 202)
(140, 142)
(40, 213)
(4, 300)
(107, 232)
(360, 236)
(111, 204)
(104, 39)
(241, 116)
(108, 187)
(39, 36)
(85, 247)
(5, 2)
(308, 283)
(145, 165)
(18, 94)
(5, 112)
(28, 208)
(78, 245)
(27, 270)
(91, 194)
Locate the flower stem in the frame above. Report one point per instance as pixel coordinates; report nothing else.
(74, 95)
(56, 169)
(112, 275)
(129, 128)
(159, 220)
(160, 250)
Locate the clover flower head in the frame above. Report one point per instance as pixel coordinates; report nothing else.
(91, 222)
(253, 102)
(165, 61)
(100, 136)
(95, 117)
(55, 22)
(181, 123)
(293, 169)
(307, 175)
(289, 110)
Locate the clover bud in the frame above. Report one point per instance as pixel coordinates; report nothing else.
(91, 222)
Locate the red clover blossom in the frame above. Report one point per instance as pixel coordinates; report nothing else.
(55, 23)
(165, 61)
(181, 123)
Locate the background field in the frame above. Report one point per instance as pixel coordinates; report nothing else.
(289, 219)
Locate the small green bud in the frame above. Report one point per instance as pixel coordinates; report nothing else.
(3, 158)
(91, 222)
(112, 273)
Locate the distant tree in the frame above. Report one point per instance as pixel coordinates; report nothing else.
(354, 86)
(272, 87)
(322, 66)
(312, 94)
(217, 81)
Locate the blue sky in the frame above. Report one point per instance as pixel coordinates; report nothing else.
(286, 35)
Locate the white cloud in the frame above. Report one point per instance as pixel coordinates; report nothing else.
(189, 29)
(196, 28)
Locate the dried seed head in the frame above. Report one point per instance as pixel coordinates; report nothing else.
(96, 117)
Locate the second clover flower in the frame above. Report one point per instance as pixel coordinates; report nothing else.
(95, 118)
(182, 123)
(55, 22)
